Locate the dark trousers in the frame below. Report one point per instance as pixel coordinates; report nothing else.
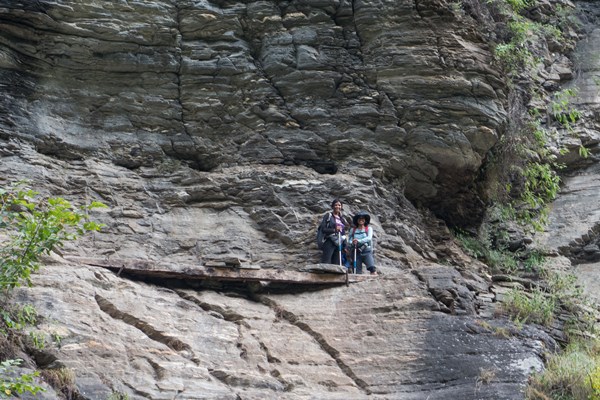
(331, 253)
(364, 258)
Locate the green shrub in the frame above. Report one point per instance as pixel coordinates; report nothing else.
(572, 374)
(18, 317)
(535, 259)
(512, 56)
(562, 108)
(480, 247)
(502, 260)
(31, 226)
(594, 379)
(535, 306)
(18, 385)
(56, 339)
(584, 152)
(34, 227)
(518, 5)
(38, 340)
(472, 245)
(542, 184)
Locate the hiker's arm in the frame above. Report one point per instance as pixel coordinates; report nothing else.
(328, 227)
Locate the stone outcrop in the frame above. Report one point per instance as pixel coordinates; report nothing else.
(380, 339)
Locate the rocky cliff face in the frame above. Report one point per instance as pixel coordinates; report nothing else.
(402, 89)
(219, 129)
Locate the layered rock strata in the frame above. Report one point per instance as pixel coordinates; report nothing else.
(220, 129)
(402, 88)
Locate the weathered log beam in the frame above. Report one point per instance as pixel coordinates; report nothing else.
(152, 269)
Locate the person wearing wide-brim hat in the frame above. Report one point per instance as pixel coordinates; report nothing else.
(361, 238)
(363, 214)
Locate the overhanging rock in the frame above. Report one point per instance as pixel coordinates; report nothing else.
(226, 270)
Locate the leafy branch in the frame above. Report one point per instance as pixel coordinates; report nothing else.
(12, 386)
(35, 226)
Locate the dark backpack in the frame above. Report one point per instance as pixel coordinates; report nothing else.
(320, 234)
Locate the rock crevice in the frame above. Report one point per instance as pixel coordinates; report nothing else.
(319, 338)
(154, 334)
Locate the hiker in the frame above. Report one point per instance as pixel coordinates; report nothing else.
(333, 228)
(361, 239)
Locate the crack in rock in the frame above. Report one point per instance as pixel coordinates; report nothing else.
(159, 371)
(245, 380)
(171, 342)
(326, 347)
(277, 375)
(270, 358)
(212, 309)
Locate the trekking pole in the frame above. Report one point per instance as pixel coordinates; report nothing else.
(354, 270)
(347, 268)
(340, 246)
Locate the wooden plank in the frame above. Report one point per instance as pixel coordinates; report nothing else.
(201, 272)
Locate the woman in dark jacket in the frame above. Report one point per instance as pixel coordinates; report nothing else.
(333, 228)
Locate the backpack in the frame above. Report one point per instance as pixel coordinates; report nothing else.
(320, 234)
(354, 230)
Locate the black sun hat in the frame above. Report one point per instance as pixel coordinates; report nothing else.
(360, 214)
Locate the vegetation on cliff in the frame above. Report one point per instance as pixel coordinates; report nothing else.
(31, 227)
(521, 175)
(524, 171)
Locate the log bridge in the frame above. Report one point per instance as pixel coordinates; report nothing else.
(230, 269)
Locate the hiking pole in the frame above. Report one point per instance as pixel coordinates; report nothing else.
(340, 246)
(347, 268)
(354, 270)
